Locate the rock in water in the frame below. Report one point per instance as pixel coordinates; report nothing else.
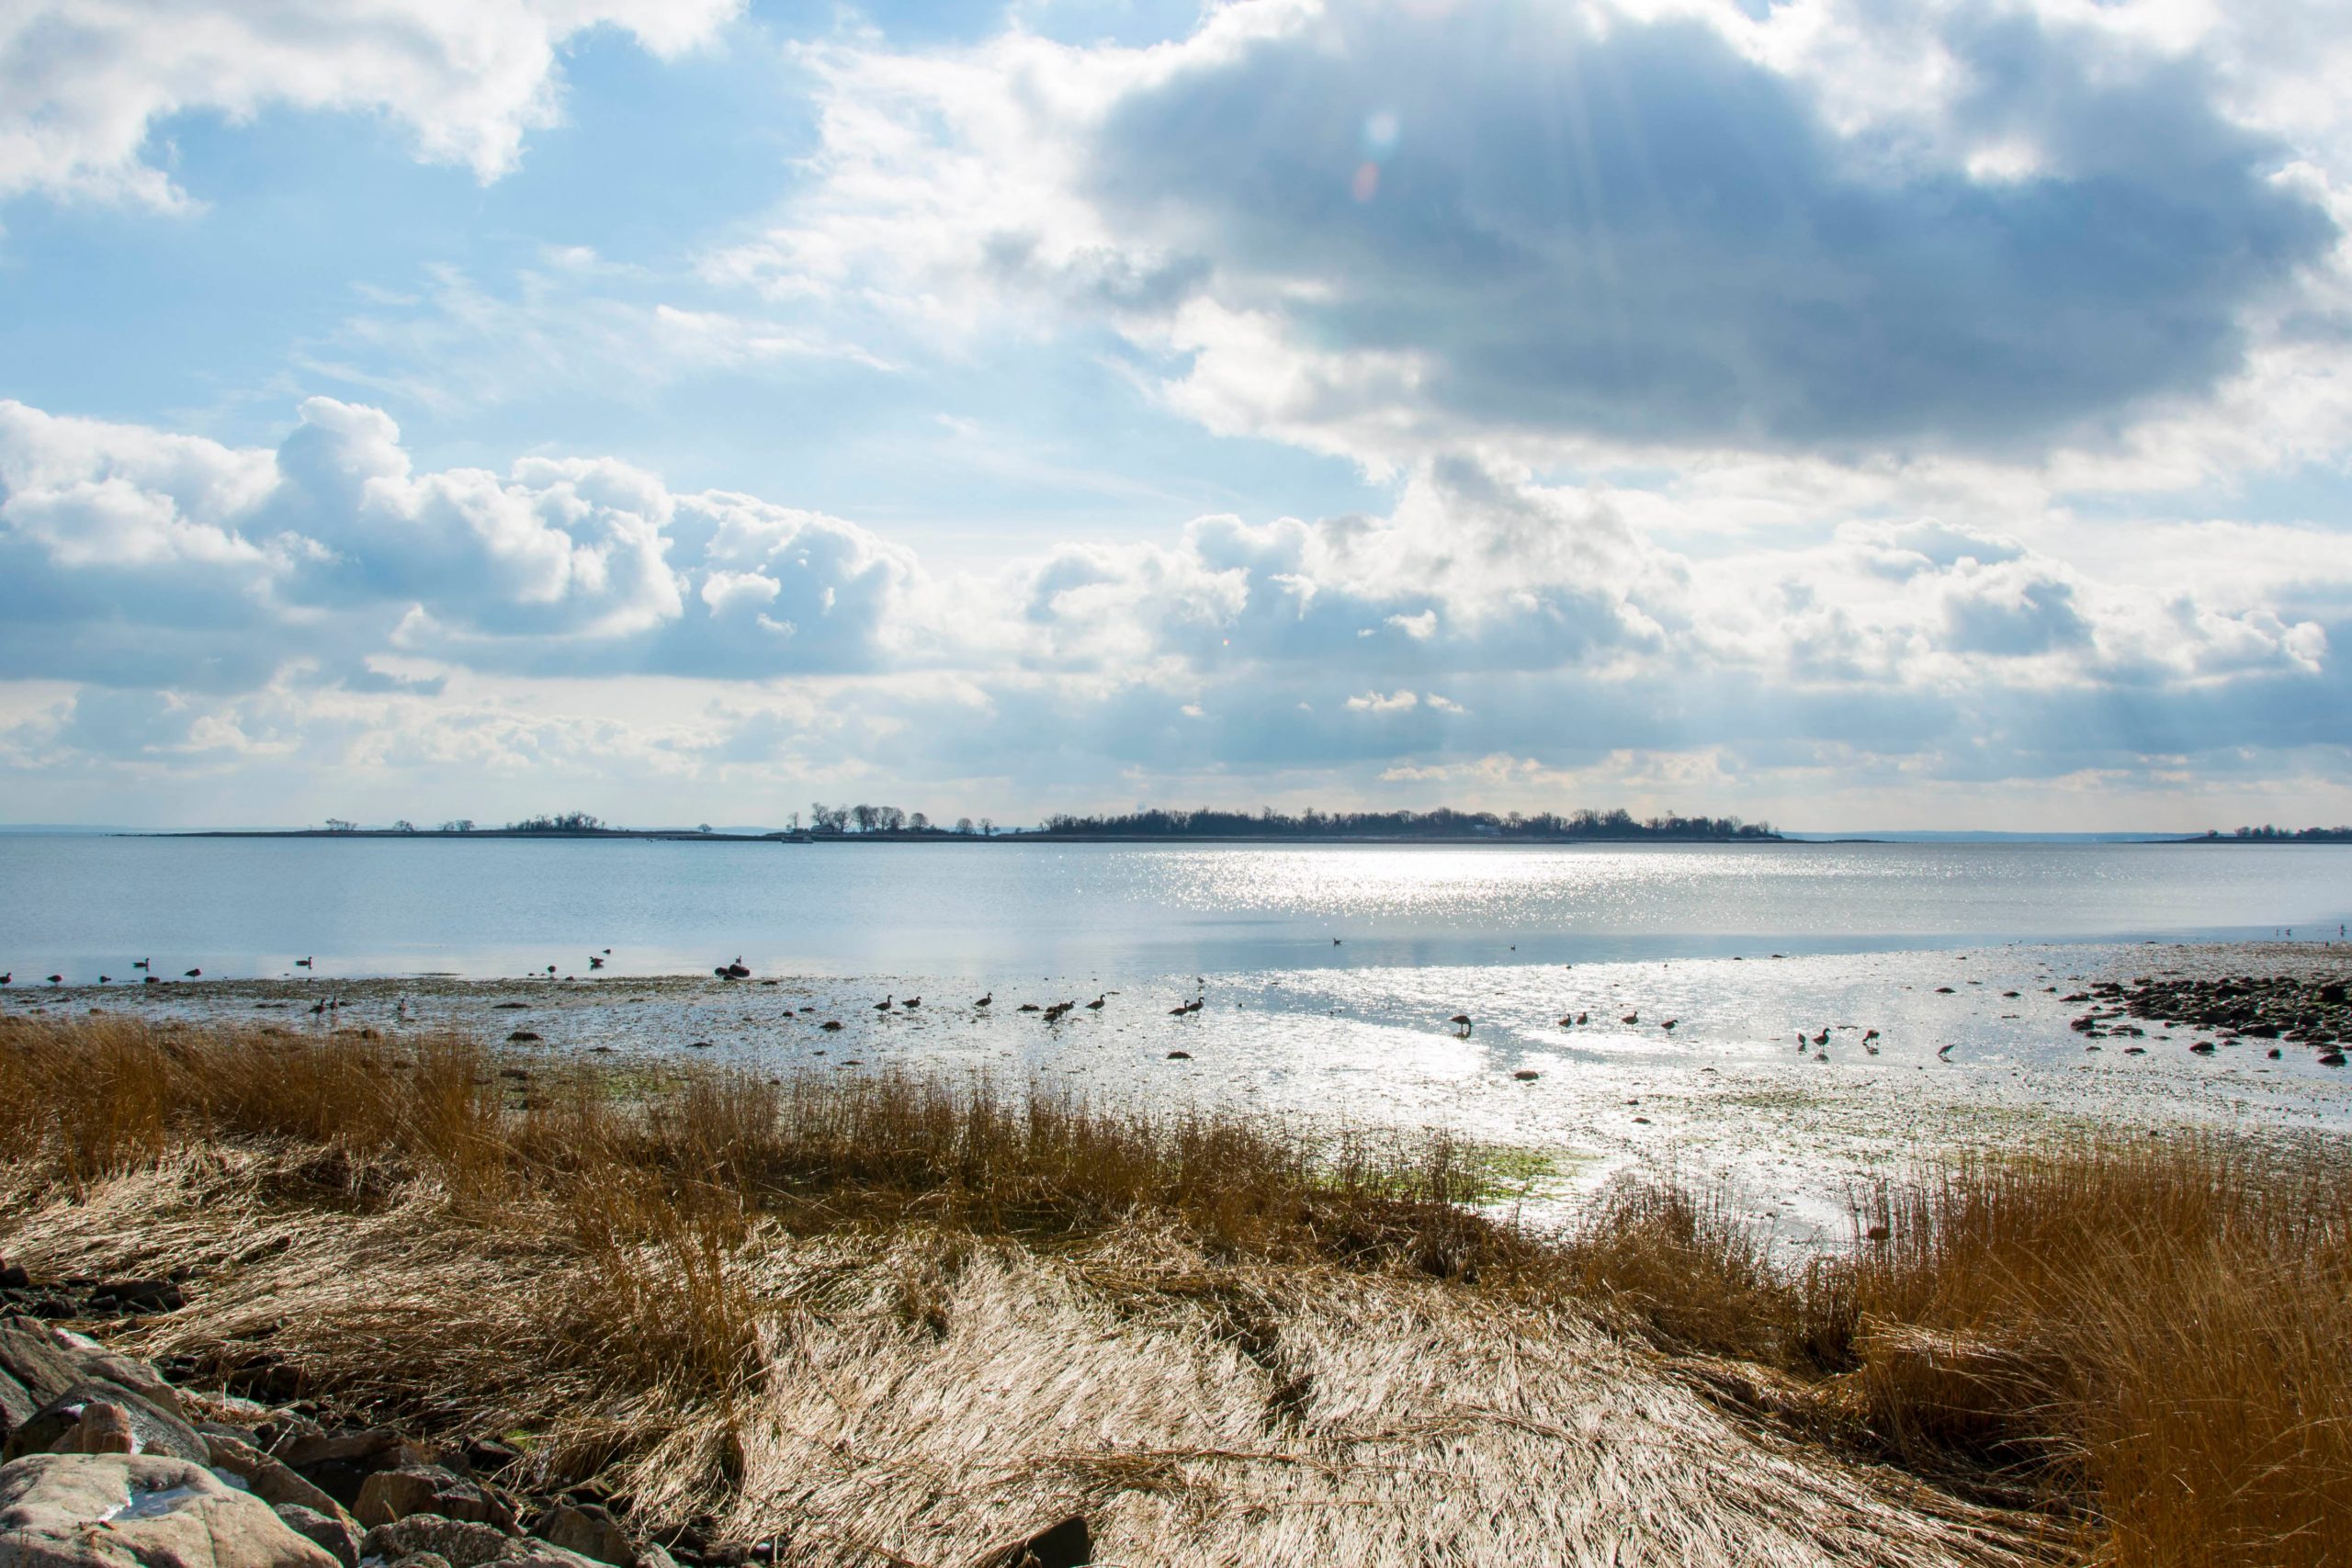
(156, 1513)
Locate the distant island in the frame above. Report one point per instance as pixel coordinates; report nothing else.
(2270, 835)
(865, 822)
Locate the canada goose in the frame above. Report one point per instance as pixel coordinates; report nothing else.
(912, 1002)
(551, 971)
(139, 964)
(1180, 1056)
(1096, 1005)
(105, 979)
(1195, 1005)
(1569, 1023)
(984, 1001)
(1631, 1018)
(1461, 1022)
(57, 979)
(1868, 1035)
(1582, 1016)
(1822, 1038)
(884, 1004)
(194, 974)
(1670, 1023)
(831, 1025)
(1335, 942)
(736, 971)
(1180, 1009)
(594, 962)
(608, 952)
(301, 963)
(9, 979)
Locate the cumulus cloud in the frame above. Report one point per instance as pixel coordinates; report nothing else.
(83, 87)
(1387, 227)
(194, 608)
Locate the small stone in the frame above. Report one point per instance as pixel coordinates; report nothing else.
(458, 1543)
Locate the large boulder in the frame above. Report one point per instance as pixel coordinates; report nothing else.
(334, 1533)
(339, 1464)
(138, 1511)
(34, 1355)
(463, 1544)
(271, 1480)
(391, 1495)
(589, 1531)
(156, 1430)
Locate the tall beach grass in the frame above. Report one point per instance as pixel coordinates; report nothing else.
(889, 1316)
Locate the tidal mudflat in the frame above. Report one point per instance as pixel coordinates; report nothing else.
(1788, 1081)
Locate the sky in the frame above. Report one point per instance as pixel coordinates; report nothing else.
(1846, 414)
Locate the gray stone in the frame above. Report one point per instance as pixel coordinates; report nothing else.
(421, 1560)
(270, 1480)
(138, 1511)
(391, 1495)
(334, 1534)
(462, 1543)
(18, 1406)
(590, 1530)
(30, 1353)
(156, 1431)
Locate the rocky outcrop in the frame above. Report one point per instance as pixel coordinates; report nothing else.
(139, 1511)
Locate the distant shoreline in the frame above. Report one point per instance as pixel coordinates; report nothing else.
(784, 836)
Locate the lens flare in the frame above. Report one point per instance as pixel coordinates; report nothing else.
(1366, 185)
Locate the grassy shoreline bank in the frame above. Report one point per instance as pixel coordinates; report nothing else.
(894, 1317)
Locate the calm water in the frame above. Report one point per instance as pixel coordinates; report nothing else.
(1957, 960)
(83, 905)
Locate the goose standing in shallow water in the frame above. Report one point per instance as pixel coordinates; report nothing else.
(885, 1004)
(1461, 1022)
(985, 1000)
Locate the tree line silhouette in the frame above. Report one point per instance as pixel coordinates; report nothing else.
(1444, 822)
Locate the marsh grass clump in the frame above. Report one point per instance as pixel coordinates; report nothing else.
(2152, 1337)
(860, 1317)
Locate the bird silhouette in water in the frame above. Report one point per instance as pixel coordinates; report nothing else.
(831, 1025)
(1096, 1005)
(301, 963)
(57, 979)
(1943, 1053)
(194, 974)
(1631, 1018)
(105, 979)
(1026, 1007)
(140, 963)
(9, 979)
(594, 962)
(986, 1001)
(885, 1004)
(1461, 1022)
(912, 1002)
(1668, 1023)
(1822, 1038)
(550, 970)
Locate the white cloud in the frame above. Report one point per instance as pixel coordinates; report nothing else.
(85, 83)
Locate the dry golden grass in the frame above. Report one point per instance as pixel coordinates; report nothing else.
(897, 1318)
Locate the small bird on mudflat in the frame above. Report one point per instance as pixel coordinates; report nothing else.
(985, 1000)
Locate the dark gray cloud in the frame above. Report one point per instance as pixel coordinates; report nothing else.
(1634, 232)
